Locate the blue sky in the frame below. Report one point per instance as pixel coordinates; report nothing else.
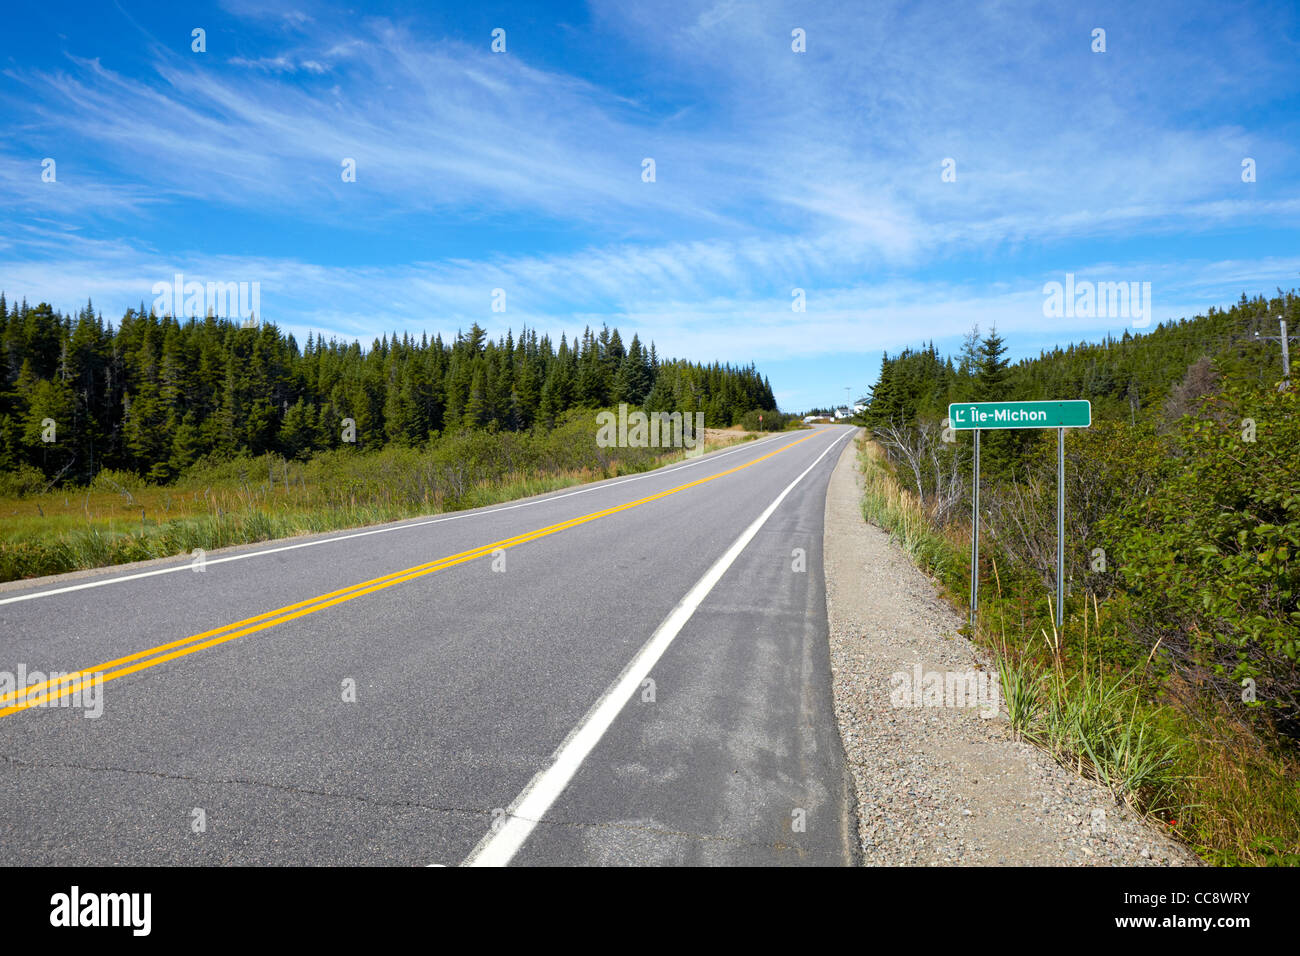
(774, 169)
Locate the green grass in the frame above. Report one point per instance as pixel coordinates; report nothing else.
(120, 518)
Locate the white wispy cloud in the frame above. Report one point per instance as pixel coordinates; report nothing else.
(667, 295)
(775, 170)
(851, 133)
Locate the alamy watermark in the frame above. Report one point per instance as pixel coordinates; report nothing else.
(241, 300)
(54, 689)
(951, 689)
(1092, 300)
(130, 910)
(654, 430)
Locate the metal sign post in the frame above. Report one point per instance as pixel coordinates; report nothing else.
(1060, 525)
(975, 536)
(975, 416)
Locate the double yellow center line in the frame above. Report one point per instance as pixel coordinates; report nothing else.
(67, 684)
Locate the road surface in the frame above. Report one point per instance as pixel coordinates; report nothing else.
(631, 672)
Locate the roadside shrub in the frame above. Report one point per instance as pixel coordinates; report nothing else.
(773, 421)
(1209, 556)
(22, 481)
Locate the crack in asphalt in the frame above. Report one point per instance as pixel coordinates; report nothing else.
(16, 762)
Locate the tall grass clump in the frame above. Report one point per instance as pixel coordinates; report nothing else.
(887, 504)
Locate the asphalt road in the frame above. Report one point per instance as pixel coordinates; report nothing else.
(548, 702)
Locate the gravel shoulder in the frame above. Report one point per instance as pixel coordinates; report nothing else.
(941, 785)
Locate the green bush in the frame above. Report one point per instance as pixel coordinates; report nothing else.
(22, 481)
(1209, 556)
(773, 421)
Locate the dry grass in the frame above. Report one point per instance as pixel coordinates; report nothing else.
(1244, 804)
(119, 518)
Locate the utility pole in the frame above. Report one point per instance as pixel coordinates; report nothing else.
(1286, 351)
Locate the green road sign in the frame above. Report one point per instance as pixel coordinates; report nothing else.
(970, 415)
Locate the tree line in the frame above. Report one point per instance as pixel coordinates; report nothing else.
(1122, 377)
(1182, 499)
(1135, 377)
(154, 394)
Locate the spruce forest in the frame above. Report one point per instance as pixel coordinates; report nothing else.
(153, 395)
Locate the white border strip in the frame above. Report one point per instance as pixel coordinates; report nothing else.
(361, 534)
(498, 847)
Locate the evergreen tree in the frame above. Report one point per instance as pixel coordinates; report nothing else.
(156, 393)
(992, 375)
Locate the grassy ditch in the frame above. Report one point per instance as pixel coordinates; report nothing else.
(1093, 697)
(121, 518)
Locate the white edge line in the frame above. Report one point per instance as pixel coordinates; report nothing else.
(361, 534)
(498, 847)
